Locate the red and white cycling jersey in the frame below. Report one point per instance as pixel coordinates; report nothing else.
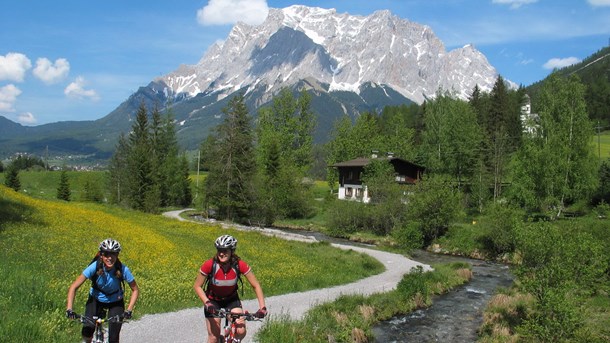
(224, 282)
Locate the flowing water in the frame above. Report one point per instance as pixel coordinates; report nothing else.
(453, 317)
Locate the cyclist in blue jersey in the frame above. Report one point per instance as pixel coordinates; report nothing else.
(107, 275)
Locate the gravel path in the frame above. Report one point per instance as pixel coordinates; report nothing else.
(188, 325)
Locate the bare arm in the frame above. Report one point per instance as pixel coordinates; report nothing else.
(135, 292)
(198, 287)
(257, 289)
(72, 290)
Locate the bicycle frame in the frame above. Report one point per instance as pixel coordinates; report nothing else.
(227, 331)
(100, 335)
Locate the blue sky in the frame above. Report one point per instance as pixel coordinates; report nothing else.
(78, 60)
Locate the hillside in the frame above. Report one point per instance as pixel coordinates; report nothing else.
(594, 72)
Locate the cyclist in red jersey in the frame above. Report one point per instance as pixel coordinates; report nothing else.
(221, 274)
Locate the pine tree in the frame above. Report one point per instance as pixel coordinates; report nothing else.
(92, 191)
(502, 132)
(118, 173)
(339, 148)
(285, 155)
(143, 193)
(229, 183)
(12, 178)
(185, 197)
(63, 190)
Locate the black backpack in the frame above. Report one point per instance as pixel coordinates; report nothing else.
(210, 277)
(98, 265)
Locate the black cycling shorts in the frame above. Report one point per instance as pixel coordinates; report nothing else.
(227, 304)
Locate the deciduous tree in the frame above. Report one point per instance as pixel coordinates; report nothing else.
(556, 165)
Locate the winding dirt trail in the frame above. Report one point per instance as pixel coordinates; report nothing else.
(188, 325)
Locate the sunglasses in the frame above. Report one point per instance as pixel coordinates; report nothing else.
(108, 253)
(223, 251)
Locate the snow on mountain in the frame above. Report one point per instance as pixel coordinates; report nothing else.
(342, 50)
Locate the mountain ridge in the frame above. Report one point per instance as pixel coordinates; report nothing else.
(349, 64)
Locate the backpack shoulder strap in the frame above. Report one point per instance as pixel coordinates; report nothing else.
(240, 283)
(98, 265)
(209, 278)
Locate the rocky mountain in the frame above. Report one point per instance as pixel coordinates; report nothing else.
(340, 50)
(349, 64)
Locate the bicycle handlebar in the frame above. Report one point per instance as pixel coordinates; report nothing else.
(222, 313)
(95, 320)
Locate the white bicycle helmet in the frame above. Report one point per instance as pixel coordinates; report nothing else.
(110, 245)
(226, 242)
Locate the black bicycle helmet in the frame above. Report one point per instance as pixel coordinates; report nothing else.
(110, 245)
(226, 242)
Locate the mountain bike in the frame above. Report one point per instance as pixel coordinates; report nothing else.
(100, 335)
(227, 331)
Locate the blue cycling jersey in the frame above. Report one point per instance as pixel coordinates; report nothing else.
(108, 283)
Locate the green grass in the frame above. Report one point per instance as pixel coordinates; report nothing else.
(43, 184)
(47, 243)
(601, 145)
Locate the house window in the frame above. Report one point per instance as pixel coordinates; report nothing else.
(358, 192)
(348, 192)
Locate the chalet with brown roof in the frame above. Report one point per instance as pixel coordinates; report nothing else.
(351, 186)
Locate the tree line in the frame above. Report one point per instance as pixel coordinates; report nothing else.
(260, 171)
(477, 149)
(147, 170)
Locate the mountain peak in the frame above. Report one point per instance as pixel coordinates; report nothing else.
(342, 50)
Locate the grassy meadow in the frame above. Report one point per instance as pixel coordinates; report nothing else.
(43, 184)
(47, 243)
(601, 145)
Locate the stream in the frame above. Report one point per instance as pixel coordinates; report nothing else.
(453, 317)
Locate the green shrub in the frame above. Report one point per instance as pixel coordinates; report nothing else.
(602, 209)
(556, 318)
(502, 222)
(409, 235)
(435, 204)
(413, 283)
(346, 217)
(558, 265)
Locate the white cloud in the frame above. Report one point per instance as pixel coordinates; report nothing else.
(556, 63)
(50, 72)
(13, 66)
(599, 2)
(77, 90)
(514, 4)
(221, 12)
(26, 118)
(8, 96)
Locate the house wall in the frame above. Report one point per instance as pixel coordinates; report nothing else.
(353, 192)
